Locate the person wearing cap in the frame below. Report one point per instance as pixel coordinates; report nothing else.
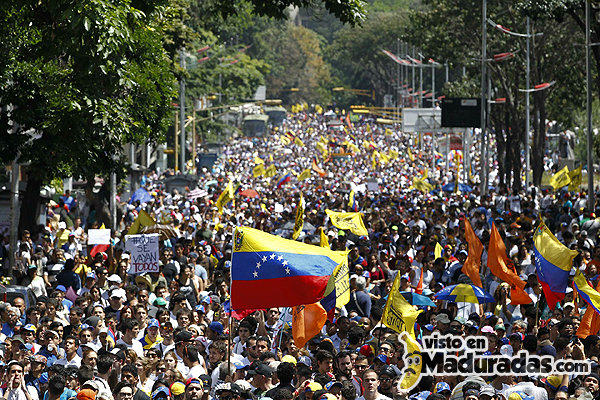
(123, 391)
(442, 388)
(160, 393)
(262, 375)
(442, 322)
(193, 389)
(52, 350)
(152, 337)
(28, 333)
(386, 376)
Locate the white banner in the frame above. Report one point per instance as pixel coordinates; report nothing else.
(144, 252)
(98, 236)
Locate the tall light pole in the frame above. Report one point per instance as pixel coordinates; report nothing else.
(590, 142)
(483, 97)
(527, 111)
(413, 74)
(420, 82)
(182, 115)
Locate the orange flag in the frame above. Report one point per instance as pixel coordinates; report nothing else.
(473, 262)
(419, 288)
(590, 323)
(501, 266)
(317, 169)
(307, 322)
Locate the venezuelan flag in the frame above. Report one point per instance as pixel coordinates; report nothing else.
(352, 201)
(587, 293)
(553, 263)
(269, 271)
(284, 180)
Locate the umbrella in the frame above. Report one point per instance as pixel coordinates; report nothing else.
(417, 299)
(464, 293)
(307, 227)
(249, 193)
(166, 231)
(140, 195)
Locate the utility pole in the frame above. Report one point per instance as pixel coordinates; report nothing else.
(182, 114)
(175, 145)
(398, 84)
(590, 141)
(401, 76)
(14, 212)
(433, 85)
(447, 73)
(421, 81)
(113, 200)
(413, 75)
(527, 111)
(483, 98)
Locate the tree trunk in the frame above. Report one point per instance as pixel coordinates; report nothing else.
(30, 203)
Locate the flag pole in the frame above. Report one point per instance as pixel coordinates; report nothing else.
(229, 341)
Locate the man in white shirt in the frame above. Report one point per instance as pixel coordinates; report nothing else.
(371, 384)
(71, 358)
(131, 329)
(16, 388)
(191, 359)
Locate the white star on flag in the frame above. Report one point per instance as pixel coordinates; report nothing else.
(264, 259)
(287, 271)
(280, 258)
(284, 263)
(257, 265)
(272, 256)
(255, 274)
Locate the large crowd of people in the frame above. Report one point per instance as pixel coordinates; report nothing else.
(88, 329)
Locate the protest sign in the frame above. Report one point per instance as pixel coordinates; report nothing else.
(144, 252)
(98, 236)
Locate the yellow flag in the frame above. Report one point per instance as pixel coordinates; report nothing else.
(575, 177)
(437, 251)
(258, 160)
(299, 223)
(322, 148)
(410, 155)
(143, 219)
(560, 179)
(271, 171)
(263, 207)
(351, 221)
(323, 242)
(342, 284)
(285, 140)
(421, 185)
(298, 141)
(259, 170)
(225, 197)
(304, 175)
(398, 314)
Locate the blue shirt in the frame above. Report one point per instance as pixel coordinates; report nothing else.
(7, 330)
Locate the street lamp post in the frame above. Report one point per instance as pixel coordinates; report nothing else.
(590, 142)
(182, 115)
(527, 111)
(483, 97)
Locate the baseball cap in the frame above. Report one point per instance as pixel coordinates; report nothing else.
(388, 370)
(61, 288)
(86, 394)
(115, 278)
(330, 385)
(441, 387)
(314, 386)
(520, 396)
(263, 369)
(442, 318)
(183, 336)
(153, 323)
(160, 392)
(488, 329)
(177, 388)
(29, 327)
(216, 327)
(38, 358)
(552, 381)
(290, 359)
